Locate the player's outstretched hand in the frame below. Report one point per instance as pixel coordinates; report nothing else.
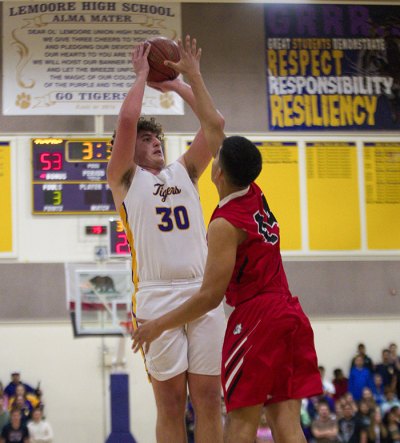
(139, 59)
(147, 332)
(189, 63)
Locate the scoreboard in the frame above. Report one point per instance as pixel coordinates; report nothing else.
(118, 242)
(69, 176)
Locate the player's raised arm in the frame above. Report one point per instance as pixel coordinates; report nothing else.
(121, 166)
(209, 138)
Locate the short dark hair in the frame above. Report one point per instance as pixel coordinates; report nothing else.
(323, 402)
(240, 160)
(337, 372)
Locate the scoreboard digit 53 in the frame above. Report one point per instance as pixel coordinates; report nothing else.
(69, 176)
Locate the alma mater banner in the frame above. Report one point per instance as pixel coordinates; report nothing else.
(333, 67)
(74, 57)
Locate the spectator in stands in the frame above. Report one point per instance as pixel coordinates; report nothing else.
(386, 369)
(340, 383)
(367, 361)
(324, 427)
(393, 425)
(15, 431)
(4, 415)
(368, 397)
(378, 390)
(327, 386)
(40, 430)
(396, 411)
(312, 405)
(39, 395)
(328, 390)
(394, 356)
(339, 407)
(377, 431)
(31, 399)
(24, 407)
(349, 426)
(349, 399)
(391, 400)
(360, 377)
(15, 381)
(364, 413)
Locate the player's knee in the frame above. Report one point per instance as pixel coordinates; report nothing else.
(207, 397)
(175, 408)
(171, 403)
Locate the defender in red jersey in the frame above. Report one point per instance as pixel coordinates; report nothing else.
(268, 351)
(268, 354)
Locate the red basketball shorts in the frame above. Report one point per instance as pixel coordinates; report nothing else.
(268, 354)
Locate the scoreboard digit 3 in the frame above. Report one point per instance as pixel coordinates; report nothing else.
(69, 176)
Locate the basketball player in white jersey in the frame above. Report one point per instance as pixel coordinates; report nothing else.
(160, 208)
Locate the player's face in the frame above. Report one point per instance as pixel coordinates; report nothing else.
(148, 151)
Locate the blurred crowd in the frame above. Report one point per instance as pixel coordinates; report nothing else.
(22, 413)
(358, 405)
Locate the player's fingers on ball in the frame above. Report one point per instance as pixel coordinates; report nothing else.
(188, 43)
(194, 45)
(180, 45)
(137, 54)
(170, 64)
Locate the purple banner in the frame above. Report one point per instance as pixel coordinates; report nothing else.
(333, 67)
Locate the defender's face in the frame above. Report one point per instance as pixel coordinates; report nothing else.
(148, 151)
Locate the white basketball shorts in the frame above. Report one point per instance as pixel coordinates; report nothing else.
(195, 347)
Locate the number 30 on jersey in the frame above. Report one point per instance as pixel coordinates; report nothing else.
(171, 217)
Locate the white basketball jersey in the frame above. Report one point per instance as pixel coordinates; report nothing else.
(164, 225)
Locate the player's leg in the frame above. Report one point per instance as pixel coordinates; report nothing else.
(170, 398)
(205, 336)
(205, 395)
(284, 421)
(241, 424)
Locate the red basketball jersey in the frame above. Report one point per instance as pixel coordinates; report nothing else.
(258, 267)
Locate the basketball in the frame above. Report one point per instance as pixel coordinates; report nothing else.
(162, 49)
